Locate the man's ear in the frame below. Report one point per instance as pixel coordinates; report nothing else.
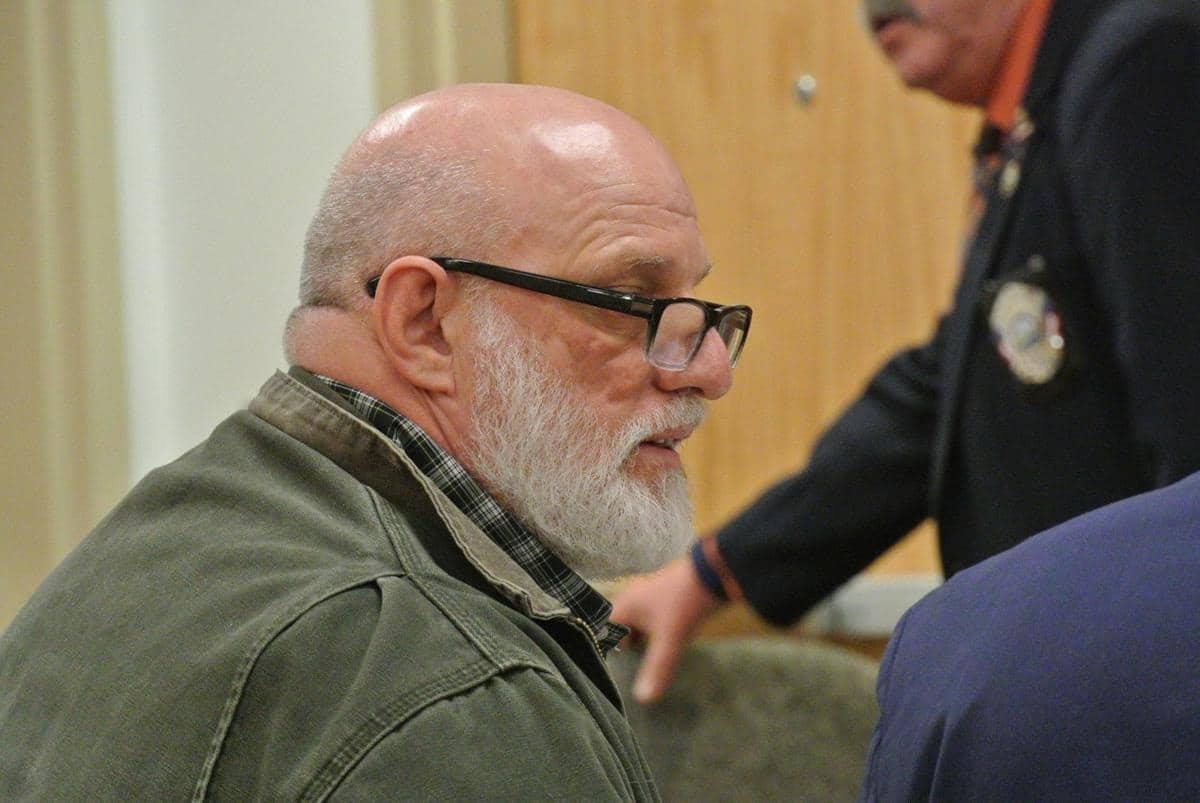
(411, 301)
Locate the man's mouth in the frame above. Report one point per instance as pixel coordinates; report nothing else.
(668, 440)
(658, 436)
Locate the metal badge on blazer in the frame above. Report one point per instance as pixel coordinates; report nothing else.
(1027, 331)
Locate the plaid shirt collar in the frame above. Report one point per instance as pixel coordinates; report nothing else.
(547, 570)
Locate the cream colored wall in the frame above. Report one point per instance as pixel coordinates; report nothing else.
(62, 411)
(153, 221)
(229, 115)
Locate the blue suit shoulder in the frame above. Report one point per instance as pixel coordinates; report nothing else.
(1063, 668)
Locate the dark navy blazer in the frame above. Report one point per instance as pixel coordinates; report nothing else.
(1067, 668)
(1106, 207)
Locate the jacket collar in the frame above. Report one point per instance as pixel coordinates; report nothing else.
(306, 409)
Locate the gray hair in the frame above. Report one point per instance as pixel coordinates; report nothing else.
(391, 202)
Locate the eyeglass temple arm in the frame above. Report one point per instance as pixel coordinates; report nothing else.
(561, 288)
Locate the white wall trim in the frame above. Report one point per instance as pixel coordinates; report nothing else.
(139, 134)
(869, 606)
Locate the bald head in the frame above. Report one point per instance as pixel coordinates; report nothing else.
(534, 177)
(468, 170)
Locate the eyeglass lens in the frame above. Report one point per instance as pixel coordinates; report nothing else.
(732, 329)
(681, 328)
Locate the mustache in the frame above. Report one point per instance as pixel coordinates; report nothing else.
(877, 11)
(687, 412)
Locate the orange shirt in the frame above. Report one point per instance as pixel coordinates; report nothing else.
(1017, 64)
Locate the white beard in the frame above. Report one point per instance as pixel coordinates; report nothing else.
(537, 448)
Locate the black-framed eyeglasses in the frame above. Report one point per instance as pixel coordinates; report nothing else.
(676, 327)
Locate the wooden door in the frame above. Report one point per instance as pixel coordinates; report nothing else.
(839, 220)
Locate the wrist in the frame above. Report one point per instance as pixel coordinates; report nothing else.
(712, 572)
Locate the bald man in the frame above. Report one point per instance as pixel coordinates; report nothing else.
(373, 583)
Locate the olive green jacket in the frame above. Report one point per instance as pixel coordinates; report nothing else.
(291, 611)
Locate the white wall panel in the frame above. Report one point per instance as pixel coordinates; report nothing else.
(228, 116)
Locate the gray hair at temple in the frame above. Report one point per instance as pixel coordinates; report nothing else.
(386, 202)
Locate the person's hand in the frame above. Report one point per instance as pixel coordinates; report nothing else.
(662, 610)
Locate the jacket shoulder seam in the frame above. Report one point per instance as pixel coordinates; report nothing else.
(244, 669)
(403, 708)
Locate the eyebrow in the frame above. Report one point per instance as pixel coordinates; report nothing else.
(637, 263)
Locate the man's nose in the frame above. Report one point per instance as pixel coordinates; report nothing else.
(709, 371)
